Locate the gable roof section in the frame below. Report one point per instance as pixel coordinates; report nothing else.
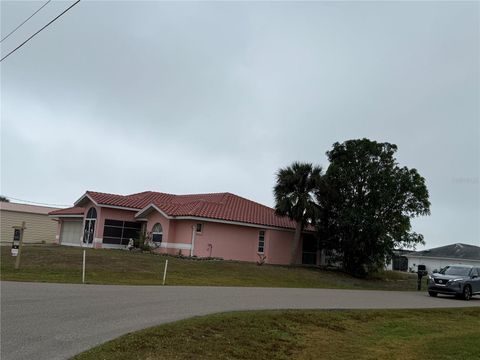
(219, 206)
(454, 251)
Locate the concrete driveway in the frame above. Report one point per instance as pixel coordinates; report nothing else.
(55, 321)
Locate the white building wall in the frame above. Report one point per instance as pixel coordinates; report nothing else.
(436, 263)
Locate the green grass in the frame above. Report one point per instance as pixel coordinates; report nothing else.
(64, 264)
(446, 334)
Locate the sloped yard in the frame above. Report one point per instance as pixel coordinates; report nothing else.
(64, 264)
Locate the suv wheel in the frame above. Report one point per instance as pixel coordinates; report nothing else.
(432, 293)
(467, 292)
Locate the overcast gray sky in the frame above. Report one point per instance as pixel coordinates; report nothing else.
(124, 97)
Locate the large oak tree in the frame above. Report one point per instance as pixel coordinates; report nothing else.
(367, 202)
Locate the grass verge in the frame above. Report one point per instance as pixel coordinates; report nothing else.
(446, 334)
(64, 264)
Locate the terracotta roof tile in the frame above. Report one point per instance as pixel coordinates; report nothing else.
(76, 210)
(220, 206)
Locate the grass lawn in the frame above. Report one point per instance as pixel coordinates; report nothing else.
(64, 264)
(451, 334)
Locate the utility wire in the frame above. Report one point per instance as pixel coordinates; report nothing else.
(34, 202)
(19, 46)
(19, 26)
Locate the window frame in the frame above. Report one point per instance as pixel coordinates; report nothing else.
(201, 228)
(122, 240)
(91, 214)
(261, 241)
(154, 232)
(89, 226)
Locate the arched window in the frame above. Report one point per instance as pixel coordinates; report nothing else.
(92, 214)
(157, 233)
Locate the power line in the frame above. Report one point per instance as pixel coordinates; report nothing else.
(19, 26)
(34, 202)
(19, 46)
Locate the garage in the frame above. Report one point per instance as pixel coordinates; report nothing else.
(71, 233)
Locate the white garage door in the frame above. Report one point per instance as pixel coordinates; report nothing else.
(71, 233)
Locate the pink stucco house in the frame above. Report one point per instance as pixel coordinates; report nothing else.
(204, 225)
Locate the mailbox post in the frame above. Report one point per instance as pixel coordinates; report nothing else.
(421, 272)
(17, 243)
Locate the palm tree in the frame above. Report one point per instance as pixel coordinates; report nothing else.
(294, 197)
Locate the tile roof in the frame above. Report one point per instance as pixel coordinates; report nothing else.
(33, 209)
(76, 210)
(220, 206)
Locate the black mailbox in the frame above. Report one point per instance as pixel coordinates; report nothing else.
(422, 269)
(421, 272)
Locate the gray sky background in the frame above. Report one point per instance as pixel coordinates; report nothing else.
(124, 97)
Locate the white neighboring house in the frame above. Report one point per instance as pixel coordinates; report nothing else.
(437, 258)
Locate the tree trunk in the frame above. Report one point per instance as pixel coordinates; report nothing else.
(296, 242)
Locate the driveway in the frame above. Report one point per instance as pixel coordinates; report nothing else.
(55, 321)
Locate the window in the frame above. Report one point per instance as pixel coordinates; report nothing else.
(119, 232)
(199, 228)
(92, 213)
(89, 229)
(455, 270)
(261, 241)
(157, 233)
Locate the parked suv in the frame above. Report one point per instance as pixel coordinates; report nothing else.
(459, 280)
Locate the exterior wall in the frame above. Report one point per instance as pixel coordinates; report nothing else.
(40, 228)
(182, 235)
(233, 242)
(279, 247)
(432, 263)
(230, 242)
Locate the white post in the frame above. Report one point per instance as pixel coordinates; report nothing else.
(83, 268)
(165, 272)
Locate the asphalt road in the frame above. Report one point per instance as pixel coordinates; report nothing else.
(55, 321)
